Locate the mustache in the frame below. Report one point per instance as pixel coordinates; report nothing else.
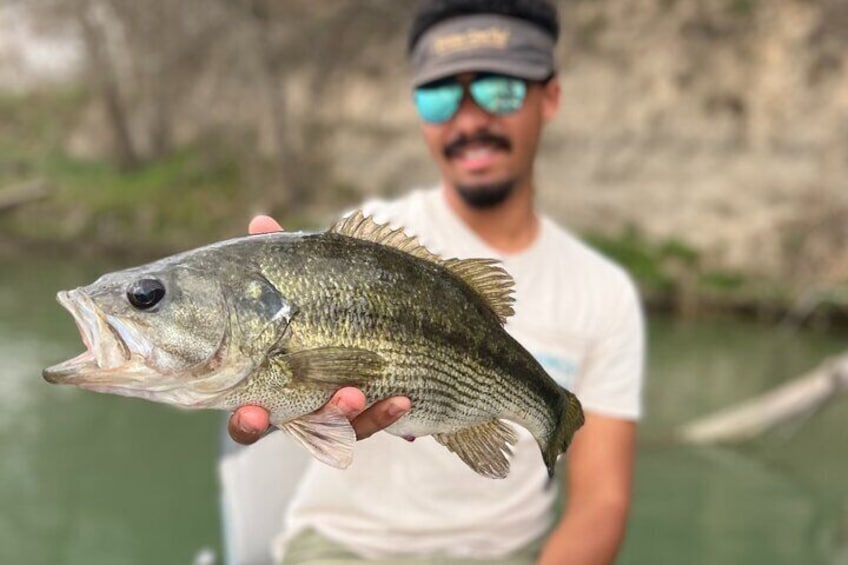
(458, 144)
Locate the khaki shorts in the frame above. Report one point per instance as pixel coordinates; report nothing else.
(311, 548)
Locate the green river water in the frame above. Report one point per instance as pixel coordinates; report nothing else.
(94, 479)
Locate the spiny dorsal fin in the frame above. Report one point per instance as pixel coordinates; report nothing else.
(485, 447)
(486, 276)
(363, 227)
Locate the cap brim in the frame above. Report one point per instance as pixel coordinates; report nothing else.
(504, 66)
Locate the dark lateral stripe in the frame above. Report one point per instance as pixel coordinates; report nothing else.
(502, 396)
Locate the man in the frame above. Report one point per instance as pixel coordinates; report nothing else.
(485, 86)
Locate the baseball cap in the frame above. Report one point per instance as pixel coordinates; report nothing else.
(482, 43)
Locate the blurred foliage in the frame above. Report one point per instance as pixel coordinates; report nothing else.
(722, 281)
(192, 195)
(673, 275)
(641, 258)
(32, 124)
(743, 8)
(168, 204)
(93, 200)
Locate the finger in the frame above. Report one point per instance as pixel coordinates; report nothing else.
(263, 224)
(379, 415)
(350, 400)
(248, 424)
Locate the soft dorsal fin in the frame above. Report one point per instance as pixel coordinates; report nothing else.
(489, 279)
(486, 276)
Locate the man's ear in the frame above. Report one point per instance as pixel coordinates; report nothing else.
(550, 98)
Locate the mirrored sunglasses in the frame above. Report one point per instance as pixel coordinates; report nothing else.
(497, 94)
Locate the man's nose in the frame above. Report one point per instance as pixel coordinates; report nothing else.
(469, 116)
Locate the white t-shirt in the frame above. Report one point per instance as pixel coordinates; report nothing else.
(577, 313)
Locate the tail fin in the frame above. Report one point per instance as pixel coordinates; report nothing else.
(570, 420)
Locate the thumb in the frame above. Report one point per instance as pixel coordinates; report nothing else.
(263, 224)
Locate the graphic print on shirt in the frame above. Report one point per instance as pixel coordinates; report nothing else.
(563, 366)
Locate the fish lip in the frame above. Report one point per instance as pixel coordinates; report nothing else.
(105, 350)
(115, 362)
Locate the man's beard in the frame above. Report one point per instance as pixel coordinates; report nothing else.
(481, 197)
(484, 197)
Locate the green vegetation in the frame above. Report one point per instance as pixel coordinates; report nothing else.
(657, 267)
(722, 281)
(188, 198)
(185, 198)
(742, 8)
(673, 275)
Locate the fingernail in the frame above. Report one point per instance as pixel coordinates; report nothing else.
(343, 406)
(395, 409)
(243, 427)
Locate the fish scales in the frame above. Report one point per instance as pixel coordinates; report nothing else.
(284, 320)
(331, 324)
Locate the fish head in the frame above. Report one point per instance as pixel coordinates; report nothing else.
(169, 333)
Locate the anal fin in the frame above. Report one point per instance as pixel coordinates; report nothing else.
(485, 447)
(326, 434)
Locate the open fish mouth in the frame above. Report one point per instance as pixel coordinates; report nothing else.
(114, 351)
(116, 361)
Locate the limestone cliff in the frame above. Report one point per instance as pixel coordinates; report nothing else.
(721, 124)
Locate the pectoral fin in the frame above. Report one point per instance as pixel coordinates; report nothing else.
(334, 367)
(327, 434)
(484, 447)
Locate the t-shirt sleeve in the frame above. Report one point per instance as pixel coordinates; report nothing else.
(611, 383)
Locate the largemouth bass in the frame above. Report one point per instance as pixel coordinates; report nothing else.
(284, 320)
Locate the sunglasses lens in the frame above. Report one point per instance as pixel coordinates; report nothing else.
(498, 94)
(438, 103)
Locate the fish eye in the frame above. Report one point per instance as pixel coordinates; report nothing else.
(145, 293)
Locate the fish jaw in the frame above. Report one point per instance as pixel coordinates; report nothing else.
(115, 362)
(105, 353)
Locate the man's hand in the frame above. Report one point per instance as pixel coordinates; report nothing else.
(249, 423)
